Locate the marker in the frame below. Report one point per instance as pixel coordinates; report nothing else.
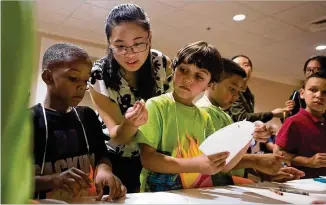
(294, 191)
(276, 192)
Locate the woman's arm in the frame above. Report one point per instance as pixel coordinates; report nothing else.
(121, 130)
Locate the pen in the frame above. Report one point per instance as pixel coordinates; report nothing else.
(294, 191)
(276, 192)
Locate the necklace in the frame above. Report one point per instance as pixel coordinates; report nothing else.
(177, 124)
(47, 134)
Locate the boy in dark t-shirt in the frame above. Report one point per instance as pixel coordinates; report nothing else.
(69, 151)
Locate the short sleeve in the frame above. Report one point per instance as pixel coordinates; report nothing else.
(151, 132)
(97, 81)
(210, 128)
(288, 137)
(97, 135)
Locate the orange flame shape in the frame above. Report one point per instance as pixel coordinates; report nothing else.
(192, 180)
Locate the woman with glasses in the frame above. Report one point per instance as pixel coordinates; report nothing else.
(313, 65)
(130, 73)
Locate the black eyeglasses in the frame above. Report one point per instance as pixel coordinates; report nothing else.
(136, 48)
(312, 70)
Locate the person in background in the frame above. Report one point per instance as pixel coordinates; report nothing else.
(221, 95)
(268, 146)
(311, 66)
(243, 107)
(70, 155)
(302, 136)
(130, 73)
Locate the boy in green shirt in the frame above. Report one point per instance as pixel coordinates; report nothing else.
(222, 95)
(169, 141)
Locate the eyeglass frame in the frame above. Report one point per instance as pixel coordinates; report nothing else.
(313, 70)
(131, 48)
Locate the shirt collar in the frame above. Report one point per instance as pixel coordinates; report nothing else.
(310, 116)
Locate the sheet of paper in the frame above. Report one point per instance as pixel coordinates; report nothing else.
(307, 185)
(287, 197)
(231, 138)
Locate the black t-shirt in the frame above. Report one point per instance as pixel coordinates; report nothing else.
(66, 144)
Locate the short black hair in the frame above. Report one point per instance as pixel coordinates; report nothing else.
(320, 59)
(61, 54)
(231, 68)
(250, 63)
(202, 55)
(315, 75)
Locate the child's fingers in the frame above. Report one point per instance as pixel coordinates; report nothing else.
(215, 157)
(67, 188)
(219, 162)
(112, 186)
(322, 157)
(99, 191)
(132, 115)
(123, 191)
(81, 178)
(117, 190)
(219, 167)
(142, 102)
(142, 114)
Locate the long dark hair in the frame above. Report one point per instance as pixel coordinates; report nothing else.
(320, 59)
(130, 13)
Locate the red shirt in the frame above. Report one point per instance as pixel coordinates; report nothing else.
(304, 135)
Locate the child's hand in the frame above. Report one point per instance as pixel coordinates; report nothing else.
(136, 115)
(318, 160)
(287, 174)
(212, 164)
(106, 178)
(269, 164)
(72, 180)
(290, 104)
(261, 133)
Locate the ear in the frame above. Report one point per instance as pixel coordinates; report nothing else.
(47, 77)
(301, 93)
(211, 85)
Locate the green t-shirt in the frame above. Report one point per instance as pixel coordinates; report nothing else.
(220, 119)
(167, 120)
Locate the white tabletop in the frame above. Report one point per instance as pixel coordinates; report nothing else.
(253, 194)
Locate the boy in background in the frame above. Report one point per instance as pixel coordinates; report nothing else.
(302, 137)
(222, 95)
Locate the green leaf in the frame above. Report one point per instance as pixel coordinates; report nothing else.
(17, 66)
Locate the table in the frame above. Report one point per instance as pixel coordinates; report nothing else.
(248, 194)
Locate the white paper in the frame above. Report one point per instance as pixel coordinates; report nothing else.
(231, 138)
(307, 185)
(157, 198)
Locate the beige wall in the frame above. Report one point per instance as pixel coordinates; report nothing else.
(269, 94)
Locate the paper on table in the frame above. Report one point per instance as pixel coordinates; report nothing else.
(231, 138)
(307, 185)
